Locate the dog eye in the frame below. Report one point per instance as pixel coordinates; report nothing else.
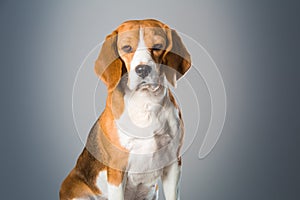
(157, 47)
(127, 48)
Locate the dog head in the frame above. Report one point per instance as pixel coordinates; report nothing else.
(146, 51)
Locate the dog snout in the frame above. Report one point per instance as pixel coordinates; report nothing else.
(143, 70)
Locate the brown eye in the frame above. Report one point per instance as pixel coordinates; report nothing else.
(157, 47)
(127, 48)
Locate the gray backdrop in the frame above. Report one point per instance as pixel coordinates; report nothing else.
(254, 43)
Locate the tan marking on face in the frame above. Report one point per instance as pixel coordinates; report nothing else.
(128, 34)
(127, 38)
(81, 180)
(155, 36)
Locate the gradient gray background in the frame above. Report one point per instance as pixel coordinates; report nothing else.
(254, 43)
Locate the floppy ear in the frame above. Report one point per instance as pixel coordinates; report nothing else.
(108, 65)
(176, 59)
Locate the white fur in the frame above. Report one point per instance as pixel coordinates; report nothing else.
(142, 55)
(149, 128)
(146, 160)
(101, 183)
(115, 192)
(108, 191)
(171, 181)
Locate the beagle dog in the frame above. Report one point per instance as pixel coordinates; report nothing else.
(137, 139)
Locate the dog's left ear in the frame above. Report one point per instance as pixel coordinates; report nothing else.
(109, 65)
(176, 59)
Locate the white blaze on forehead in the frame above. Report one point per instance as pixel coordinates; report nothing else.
(142, 55)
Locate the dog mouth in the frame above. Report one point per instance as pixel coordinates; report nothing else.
(152, 87)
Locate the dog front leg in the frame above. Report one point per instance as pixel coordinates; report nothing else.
(171, 181)
(115, 184)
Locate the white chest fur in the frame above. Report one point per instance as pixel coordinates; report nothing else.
(152, 138)
(149, 129)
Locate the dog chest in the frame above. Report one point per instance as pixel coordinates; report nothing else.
(154, 146)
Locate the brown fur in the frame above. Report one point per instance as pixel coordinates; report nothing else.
(172, 99)
(103, 150)
(81, 180)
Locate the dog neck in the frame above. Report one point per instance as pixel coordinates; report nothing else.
(142, 115)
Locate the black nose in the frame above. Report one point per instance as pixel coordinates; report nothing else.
(143, 70)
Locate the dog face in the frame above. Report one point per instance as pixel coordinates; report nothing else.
(147, 51)
(141, 50)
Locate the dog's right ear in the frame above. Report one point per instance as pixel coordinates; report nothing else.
(108, 65)
(176, 58)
